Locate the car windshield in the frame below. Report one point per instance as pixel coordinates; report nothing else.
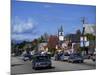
(75, 55)
(66, 54)
(42, 58)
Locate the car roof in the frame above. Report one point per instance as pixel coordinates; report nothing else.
(39, 55)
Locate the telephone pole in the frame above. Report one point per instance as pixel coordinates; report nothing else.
(83, 22)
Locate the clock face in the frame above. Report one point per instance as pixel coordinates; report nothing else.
(60, 33)
(61, 38)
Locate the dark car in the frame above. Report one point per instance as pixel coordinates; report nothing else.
(87, 56)
(75, 58)
(93, 57)
(41, 61)
(58, 56)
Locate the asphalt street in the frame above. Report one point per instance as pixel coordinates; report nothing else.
(18, 66)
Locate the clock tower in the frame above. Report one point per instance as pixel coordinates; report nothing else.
(61, 34)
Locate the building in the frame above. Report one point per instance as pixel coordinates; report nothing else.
(61, 34)
(42, 46)
(73, 38)
(90, 28)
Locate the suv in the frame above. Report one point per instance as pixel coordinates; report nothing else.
(41, 61)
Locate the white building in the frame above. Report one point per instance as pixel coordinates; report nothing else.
(61, 34)
(42, 46)
(90, 28)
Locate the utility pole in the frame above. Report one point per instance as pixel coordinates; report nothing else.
(83, 22)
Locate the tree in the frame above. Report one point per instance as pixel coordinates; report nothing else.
(45, 36)
(78, 32)
(35, 44)
(90, 37)
(52, 42)
(41, 39)
(78, 35)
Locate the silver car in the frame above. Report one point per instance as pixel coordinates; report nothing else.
(75, 58)
(65, 57)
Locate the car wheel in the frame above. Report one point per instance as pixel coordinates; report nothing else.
(93, 59)
(49, 66)
(72, 61)
(68, 61)
(55, 59)
(81, 61)
(24, 59)
(33, 67)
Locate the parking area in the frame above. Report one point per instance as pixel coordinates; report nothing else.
(18, 66)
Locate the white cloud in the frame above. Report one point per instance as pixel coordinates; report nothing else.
(23, 25)
(23, 29)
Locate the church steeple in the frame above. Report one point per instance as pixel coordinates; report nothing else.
(61, 34)
(61, 29)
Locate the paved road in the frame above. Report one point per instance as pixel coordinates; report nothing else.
(18, 66)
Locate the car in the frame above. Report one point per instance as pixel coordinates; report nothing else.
(75, 58)
(93, 57)
(26, 57)
(41, 61)
(64, 57)
(86, 56)
(58, 56)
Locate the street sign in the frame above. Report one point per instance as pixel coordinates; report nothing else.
(85, 42)
(83, 38)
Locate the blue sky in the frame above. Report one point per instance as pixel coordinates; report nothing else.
(30, 20)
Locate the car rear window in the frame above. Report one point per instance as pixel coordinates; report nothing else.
(42, 58)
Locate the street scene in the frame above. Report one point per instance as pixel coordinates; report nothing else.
(50, 37)
(20, 67)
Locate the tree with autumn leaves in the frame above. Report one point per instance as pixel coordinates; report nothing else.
(52, 42)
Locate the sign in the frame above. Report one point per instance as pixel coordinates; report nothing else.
(83, 38)
(85, 42)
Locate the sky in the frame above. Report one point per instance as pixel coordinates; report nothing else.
(30, 20)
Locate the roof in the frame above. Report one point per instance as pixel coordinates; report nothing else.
(90, 28)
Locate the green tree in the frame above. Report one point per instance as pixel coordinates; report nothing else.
(90, 37)
(78, 35)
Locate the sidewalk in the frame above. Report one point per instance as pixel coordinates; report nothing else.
(89, 62)
(16, 60)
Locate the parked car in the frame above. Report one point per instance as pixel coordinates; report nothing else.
(94, 56)
(87, 56)
(41, 61)
(75, 58)
(65, 57)
(26, 57)
(58, 55)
